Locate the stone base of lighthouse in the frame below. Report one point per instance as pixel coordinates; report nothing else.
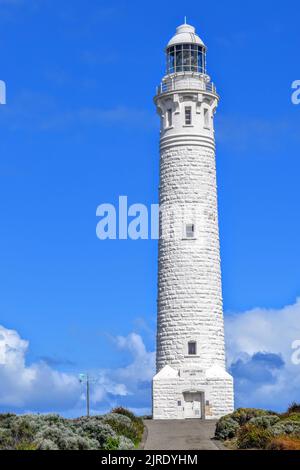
(187, 394)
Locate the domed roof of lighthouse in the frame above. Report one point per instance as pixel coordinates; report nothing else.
(185, 34)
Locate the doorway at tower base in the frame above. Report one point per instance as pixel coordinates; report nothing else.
(187, 394)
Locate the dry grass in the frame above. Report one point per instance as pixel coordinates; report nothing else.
(284, 443)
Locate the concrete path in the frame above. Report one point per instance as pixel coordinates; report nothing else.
(189, 434)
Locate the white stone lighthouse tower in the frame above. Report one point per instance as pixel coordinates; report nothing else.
(191, 380)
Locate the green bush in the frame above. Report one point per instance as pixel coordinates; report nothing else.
(253, 437)
(25, 445)
(65, 438)
(253, 428)
(294, 408)
(95, 429)
(264, 421)
(46, 444)
(6, 419)
(136, 421)
(52, 432)
(243, 415)
(125, 443)
(293, 417)
(123, 411)
(112, 443)
(286, 427)
(226, 428)
(122, 425)
(6, 439)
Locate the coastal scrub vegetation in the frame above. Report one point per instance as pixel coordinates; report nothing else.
(252, 428)
(118, 430)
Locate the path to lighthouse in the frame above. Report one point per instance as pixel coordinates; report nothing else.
(180, 435)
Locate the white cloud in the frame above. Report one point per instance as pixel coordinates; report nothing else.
(143, 365)
(270, 379)
(34, 385)
(259, 351)
(39, 387)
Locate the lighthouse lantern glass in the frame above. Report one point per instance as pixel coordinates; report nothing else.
(186, 58)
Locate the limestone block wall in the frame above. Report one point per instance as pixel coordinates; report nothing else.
(190, 307)
(168, 393)
(164, 398)
(189, 284)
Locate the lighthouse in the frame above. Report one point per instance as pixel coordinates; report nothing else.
(191, 380)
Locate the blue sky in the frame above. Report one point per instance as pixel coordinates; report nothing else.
(79, 129)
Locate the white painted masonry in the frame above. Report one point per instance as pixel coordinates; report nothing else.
(190, 307)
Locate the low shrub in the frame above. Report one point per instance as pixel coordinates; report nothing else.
(294, 408)
(284, 443)
(25, 445)
(248, 428)
(226, 428)
(122, 425)
(65, 438)
(6, 419)
(52, 432)
(253, 437)
(6, 439)
(123, 411)
(112, 443)
(54, 419)
(286, 427)
(46, 444)
(243, 415)
(125, 443)
(293, 417)
(119, 443)
(95, 429)
(136, 421)
(265, 421)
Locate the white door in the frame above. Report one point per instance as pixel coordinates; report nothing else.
(188, 407)
(192, 405)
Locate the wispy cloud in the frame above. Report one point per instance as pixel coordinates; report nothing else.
(14, 5)
(33, 111)
(11, 2)
(242, 132)
(247, 36)
(56, 361)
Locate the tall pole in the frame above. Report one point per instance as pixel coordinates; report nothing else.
(85, 379)
(87, 396)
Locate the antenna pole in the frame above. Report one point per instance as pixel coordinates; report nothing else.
(87, 396)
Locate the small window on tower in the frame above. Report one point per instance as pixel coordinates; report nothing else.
(188, 115)
(169, 118)
(206, 117)
(190, 231)
(192, 348)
